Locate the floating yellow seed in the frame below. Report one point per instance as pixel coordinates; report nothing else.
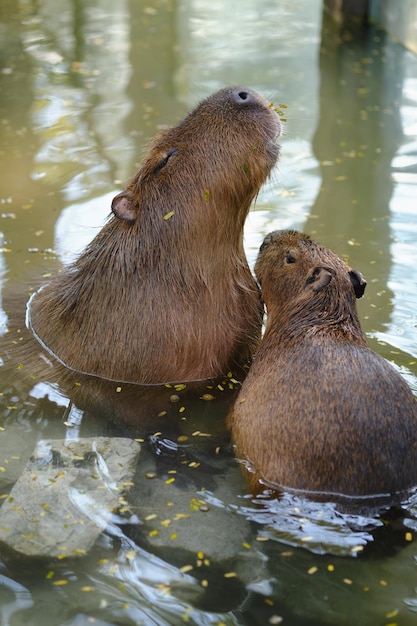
(312, 570)
(168, 216)
(356, 549)
(409, 536)
(230, 575)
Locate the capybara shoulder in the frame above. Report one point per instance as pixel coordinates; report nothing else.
(319, 410)
(164, 292)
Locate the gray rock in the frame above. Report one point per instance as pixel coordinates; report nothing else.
(66, 494)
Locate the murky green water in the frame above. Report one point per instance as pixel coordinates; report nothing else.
(83, 86)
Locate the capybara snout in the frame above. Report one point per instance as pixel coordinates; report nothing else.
(319, 410)
(164, 292)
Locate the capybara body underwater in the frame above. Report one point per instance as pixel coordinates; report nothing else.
(164, 292)
(319, 410)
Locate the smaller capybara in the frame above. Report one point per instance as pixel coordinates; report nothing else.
(164, 292)
(319, 410)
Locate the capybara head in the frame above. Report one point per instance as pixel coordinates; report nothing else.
(295, 272)
(219, 155)
(164, 292)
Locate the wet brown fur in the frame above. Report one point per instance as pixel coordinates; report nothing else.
(319, 410)
(164, 291)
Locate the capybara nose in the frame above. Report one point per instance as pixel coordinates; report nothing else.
(244, 96)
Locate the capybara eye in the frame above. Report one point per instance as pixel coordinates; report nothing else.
(289, 258)
(165, 160)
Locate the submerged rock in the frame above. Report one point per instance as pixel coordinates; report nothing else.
(66, 495)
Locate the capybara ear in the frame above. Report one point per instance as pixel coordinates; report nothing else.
(123, 207)
(358, 282)
(319, 277)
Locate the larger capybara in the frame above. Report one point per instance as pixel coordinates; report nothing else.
(164, 292)
(320, 411)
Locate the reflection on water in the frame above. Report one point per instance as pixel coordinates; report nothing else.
(83, 86)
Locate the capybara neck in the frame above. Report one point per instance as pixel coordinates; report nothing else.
(164, 292)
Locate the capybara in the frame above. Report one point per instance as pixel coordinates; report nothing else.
(164, 292)
(319, 410)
